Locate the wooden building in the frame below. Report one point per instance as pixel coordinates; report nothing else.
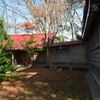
(65, 54)
(69, 54)
(18, 54)
(91, 35)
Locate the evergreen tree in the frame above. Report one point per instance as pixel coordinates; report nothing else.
(5, 60)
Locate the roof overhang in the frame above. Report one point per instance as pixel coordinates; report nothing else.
(67, 43)
(95, 0)
(23, 38)
(92, 16)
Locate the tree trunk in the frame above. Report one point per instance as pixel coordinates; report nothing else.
(72, 27)
(49, 60)
(73, 31)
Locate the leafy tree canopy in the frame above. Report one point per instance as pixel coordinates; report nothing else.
(78, 37)
(60, 38)
(28, 46)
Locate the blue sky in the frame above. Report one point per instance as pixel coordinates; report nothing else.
(11, 17)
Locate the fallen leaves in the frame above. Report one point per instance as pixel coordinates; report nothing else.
(43, 84)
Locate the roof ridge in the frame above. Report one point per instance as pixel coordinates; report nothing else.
(28, 34)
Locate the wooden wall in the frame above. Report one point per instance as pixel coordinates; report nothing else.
(94, 51)
(19, 56)
(61, 56)
(73, 54)
(66, 55)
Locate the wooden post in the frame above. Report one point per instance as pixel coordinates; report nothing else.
(13, 59)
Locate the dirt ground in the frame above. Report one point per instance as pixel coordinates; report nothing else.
(43, 84)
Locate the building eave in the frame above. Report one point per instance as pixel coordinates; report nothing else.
(67, 43)
(92, 17)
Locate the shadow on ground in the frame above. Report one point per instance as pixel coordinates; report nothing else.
(43, 84)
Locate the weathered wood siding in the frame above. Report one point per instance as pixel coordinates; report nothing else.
(20, 56)
(73, 54)
(41, 56)
(94, 51)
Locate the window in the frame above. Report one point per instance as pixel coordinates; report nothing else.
(62, 49)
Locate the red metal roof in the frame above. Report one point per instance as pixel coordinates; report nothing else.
(18, 39)
(67, 43)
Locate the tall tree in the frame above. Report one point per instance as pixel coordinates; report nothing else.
(73, 17)
(45, 17)
(72, 20)
(5, 42)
